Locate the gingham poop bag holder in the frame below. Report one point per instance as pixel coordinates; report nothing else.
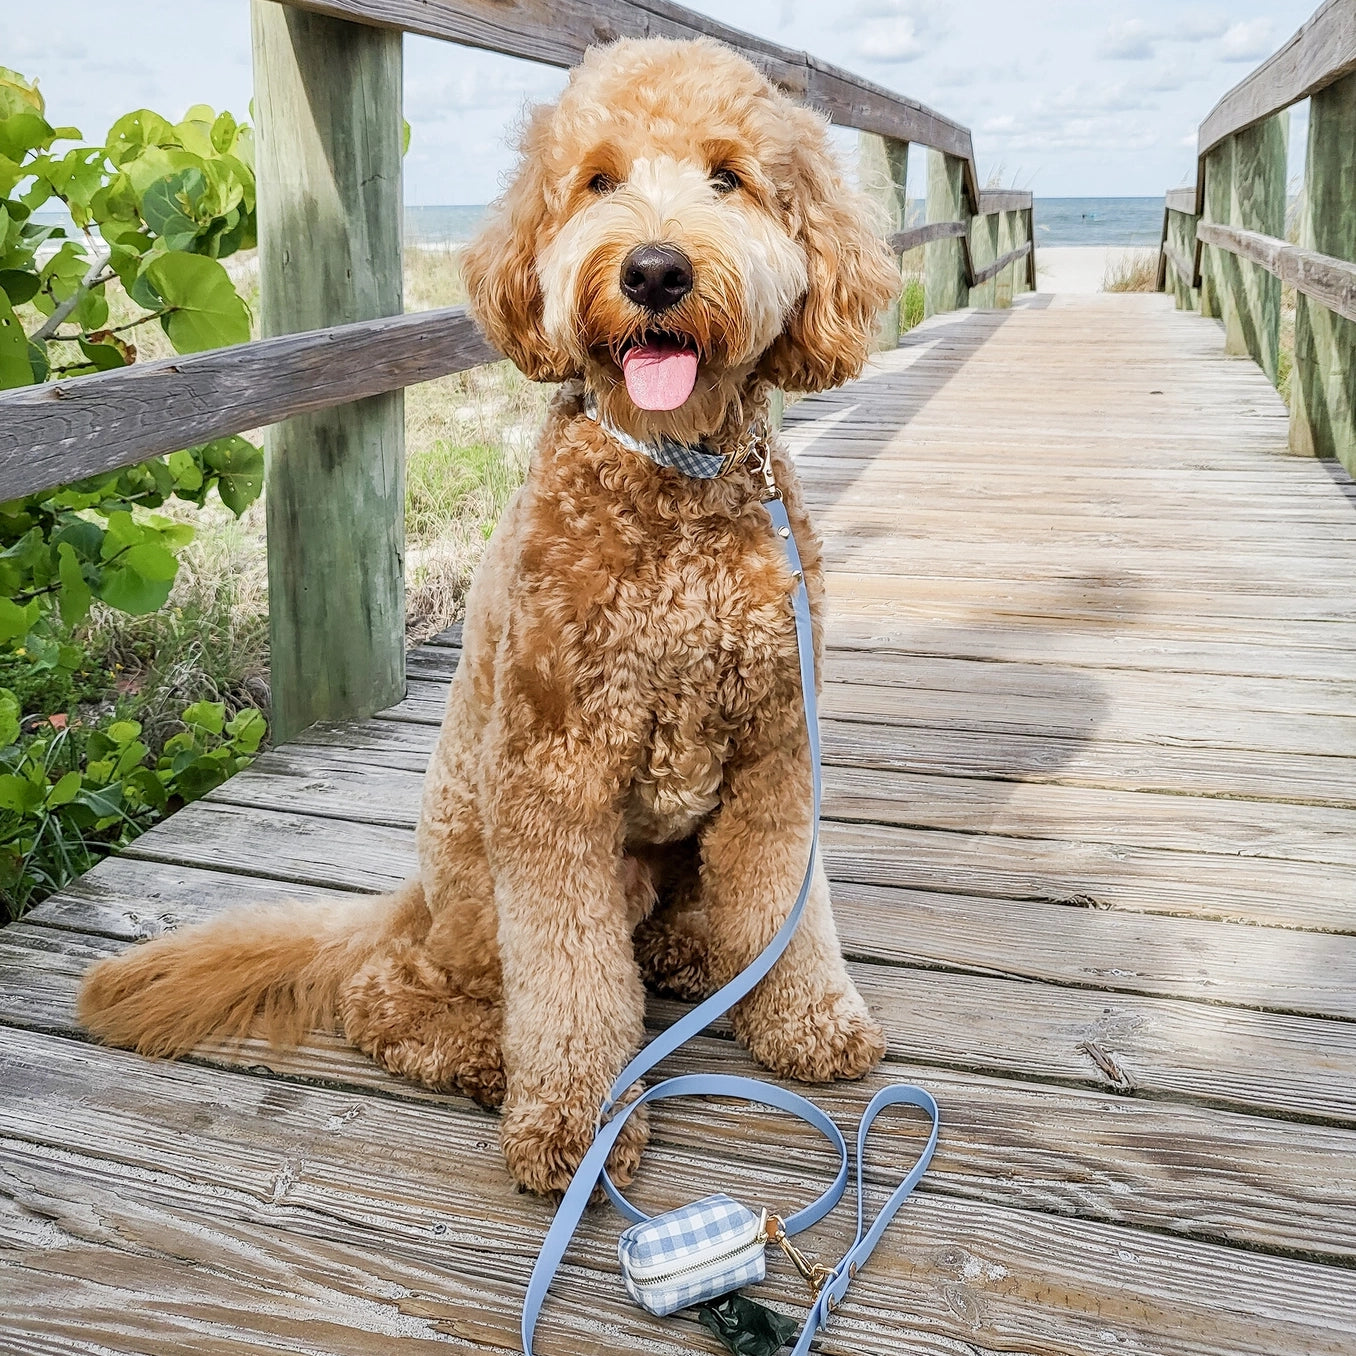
(715, 1245)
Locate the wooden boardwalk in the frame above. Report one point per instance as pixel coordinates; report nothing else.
(1090, 722)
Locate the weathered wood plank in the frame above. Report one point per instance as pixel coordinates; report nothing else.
(947, 263)
(1078, 944)
(1320, 53)
(993, 201)
(328, 114)
(66, 430)
(992, 270)
(1326, 279)
(870, 838)
(1181, 200)
(1323, 388)
(1233, 1058)
(559, 33)
(1248, 1180)
(299, 1190)
(901, 242)
(882, 174)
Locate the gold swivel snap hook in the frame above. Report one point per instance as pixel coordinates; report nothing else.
(811, 1273)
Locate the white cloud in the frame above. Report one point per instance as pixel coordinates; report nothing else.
(1129, 40)
(1200, 25)
(1248, 41)
(896, 31)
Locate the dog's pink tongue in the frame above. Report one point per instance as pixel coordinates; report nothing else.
(659, 376)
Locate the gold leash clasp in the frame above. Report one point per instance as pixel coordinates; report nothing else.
(811, 1273)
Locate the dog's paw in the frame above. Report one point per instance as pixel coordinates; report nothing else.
(543, 1142)
(831, 1040)
(673, 952)
(417, 1027)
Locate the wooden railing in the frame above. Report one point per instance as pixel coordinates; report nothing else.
(337, 353)
(1224, 250)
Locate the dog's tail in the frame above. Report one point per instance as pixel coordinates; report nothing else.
(274, 970)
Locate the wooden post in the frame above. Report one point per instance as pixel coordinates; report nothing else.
(328, 113)
(1323, 384)
(944, 281)
(1218, 205)
(1182, 234)
(883, 170)
(1027, 231)
(983, 251)
(1258, 204)
(1005, 283)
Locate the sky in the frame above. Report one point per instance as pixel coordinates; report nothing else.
(1069, 98)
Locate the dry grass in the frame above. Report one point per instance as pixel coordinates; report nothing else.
(1133, 271)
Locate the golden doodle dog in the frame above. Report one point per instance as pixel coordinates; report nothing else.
(621, 790)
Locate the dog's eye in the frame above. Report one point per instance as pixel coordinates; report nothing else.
(602, 183)
(725, 181)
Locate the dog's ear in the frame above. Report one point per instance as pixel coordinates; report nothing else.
(851, 274)
(499, 267)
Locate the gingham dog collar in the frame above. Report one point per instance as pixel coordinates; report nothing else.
(700, 460)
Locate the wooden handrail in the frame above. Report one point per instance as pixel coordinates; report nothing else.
(1321, 53)
(558, 33)
(1328, 280)
(66, 430)
(1232, 221)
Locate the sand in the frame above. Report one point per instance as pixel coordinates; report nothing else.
(1078, 268)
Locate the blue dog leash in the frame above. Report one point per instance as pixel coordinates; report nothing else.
(829, 1284)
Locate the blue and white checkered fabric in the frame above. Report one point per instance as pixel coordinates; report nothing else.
(697, 1253)
(691, 461)
(697, 460)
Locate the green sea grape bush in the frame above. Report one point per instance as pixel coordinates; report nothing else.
(155, 208)
(69, 796)
(157, 205)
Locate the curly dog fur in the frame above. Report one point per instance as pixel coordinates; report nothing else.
(621, 789)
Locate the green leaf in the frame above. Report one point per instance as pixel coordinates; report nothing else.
(239, 468)
(131, 592)
(9, 717)
(223, 133)
(208, 716)
(16, 621)
(123, 732)
(18, 793)
(151, 561)
(14, 366)
(205, 311)
(134, 132)
(105, 357)
(24, 132)
(65, 790)
(75, 596)
(19, 284)
(185, 470)
(169, 206)
(247, 729)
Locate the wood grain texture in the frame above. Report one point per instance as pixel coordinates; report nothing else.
(65, 430)
(1319, 54)
(328, 114)
(901, 242)
(1090, 730)
(1323, 386)
(947, 265)
(1329, 281)
(558, 34)
(318, 1201)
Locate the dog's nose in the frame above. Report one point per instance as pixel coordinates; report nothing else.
(656, 276)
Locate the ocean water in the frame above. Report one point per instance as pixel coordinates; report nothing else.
(1099, 221)
(1059, 221)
